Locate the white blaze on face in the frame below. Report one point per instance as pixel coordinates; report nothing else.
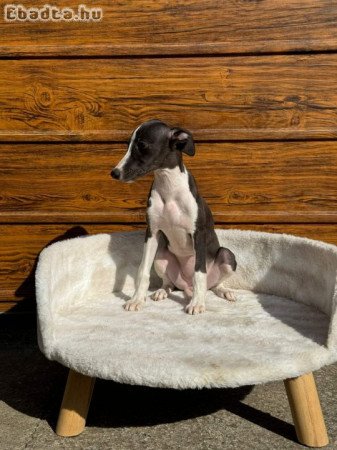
(123, 161)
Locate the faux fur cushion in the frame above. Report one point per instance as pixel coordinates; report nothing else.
(283, 324)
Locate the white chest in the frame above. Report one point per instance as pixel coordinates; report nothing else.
(174, 210)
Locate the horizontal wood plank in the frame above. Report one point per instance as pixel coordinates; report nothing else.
(291, 181)
(233, 98)
(159, 27)
(21, 244)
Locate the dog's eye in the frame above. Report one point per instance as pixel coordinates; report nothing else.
(142, 146)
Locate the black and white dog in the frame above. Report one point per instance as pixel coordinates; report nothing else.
(180, 237)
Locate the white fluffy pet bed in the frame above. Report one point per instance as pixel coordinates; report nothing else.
(283, 324)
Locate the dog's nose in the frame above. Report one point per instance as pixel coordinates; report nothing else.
(116, 173)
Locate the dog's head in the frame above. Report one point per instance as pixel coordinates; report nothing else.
(153, 145)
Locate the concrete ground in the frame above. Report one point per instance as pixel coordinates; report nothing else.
(125, 417)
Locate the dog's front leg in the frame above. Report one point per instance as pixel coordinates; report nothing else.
(197, 303)
(143, 277)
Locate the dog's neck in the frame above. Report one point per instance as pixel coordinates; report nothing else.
(170, 181)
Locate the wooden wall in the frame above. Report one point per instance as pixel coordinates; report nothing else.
(255, 81)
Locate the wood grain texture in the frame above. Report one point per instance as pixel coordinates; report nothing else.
(158, 27)
(21, 244)
(242, 182)
(54, 191)
(233, 98)
(75, 404)
(306, 411)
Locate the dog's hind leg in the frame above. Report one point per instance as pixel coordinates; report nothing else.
(224, 292)
(161, 262)
(224, 265)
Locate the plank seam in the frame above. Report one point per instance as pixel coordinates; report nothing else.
(168, 56)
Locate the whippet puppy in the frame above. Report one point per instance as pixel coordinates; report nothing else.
(180, 239)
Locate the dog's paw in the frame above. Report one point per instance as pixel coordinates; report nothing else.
(224, 293)
(160, 294)
(195, 307)
(134, 304)
(229, 295)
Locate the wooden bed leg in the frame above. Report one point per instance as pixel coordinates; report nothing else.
(306, 410)
(75, 404)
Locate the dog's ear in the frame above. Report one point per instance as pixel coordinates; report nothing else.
(181, 140)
